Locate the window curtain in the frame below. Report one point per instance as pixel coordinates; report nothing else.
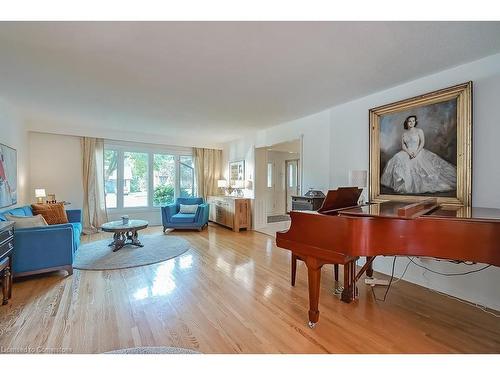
(94, 202)
(207, 170)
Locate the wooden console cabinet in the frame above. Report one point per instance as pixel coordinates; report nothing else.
(232, 212)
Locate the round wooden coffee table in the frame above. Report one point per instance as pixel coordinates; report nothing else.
(124, 234)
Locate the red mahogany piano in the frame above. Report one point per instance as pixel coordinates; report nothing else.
(341, 231)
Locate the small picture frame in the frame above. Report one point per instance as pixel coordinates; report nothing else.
(237, 171)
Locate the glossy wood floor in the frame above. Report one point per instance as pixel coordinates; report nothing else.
(231, 293)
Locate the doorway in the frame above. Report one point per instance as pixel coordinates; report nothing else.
(291, 182)
(277, 179)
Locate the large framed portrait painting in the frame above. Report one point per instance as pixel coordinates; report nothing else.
(421, 147)
(8, 176)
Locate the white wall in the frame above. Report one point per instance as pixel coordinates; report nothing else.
(337, 140)
(315, 133)
(13, 134)
(56, 166)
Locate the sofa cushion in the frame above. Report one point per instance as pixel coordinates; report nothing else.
(18, 211)
(26, 221)
(183, 218)
(189, 200)
(21, 211)
(54, 213)
(188, 208)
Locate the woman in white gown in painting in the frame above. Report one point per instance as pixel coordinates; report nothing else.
(415, 170)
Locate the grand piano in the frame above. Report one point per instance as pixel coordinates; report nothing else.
(341, 231)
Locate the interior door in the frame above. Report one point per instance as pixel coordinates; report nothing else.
(292, 181)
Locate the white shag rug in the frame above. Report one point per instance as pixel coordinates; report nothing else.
(157, 248)
(153, 350)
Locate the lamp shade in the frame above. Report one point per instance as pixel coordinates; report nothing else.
(40, 193)
(358, 178)
(221, 183)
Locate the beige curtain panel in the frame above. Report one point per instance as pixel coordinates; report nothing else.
(94, 202)
(207, 170)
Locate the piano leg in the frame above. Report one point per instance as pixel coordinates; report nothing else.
(314, 278)
(336, 271)
(294, 268)
(349, 292)
(369, 270)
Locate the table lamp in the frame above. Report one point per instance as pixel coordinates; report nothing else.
(359, 179)
(40, 194)
(222, 184)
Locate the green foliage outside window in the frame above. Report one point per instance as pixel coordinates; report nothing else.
(139, 163)
(164, 194)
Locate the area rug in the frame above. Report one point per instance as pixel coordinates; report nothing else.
(157, 248)
(153, 350)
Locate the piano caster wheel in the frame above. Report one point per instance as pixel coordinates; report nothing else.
(338, 290)
(311, 325)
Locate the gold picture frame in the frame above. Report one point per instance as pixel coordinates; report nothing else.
(406, 175)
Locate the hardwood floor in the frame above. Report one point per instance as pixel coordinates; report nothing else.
(231, 293)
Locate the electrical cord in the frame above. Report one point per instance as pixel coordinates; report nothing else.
(388, 286)
(411, 261)
(448, 274)
(403, 274)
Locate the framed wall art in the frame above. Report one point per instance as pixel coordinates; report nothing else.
(422, 147)
(8, 176)
(237, 170)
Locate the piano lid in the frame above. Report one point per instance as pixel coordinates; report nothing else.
(405, 210)
(394, 209)
(467, 213)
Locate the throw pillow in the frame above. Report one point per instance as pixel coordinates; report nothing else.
(26, 221)
(53, 213)
(188, 208)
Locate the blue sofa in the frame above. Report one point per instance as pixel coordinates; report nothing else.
(172, 218)
(45, 249)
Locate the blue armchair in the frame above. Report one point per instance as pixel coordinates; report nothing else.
(45, 249)
(172, 218)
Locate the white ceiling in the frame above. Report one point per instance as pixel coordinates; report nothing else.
(216, 81)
